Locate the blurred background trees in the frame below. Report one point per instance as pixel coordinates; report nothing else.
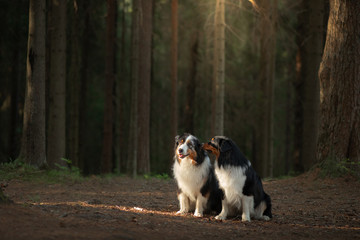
(137, 72)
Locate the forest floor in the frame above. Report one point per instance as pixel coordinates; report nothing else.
(304, 207)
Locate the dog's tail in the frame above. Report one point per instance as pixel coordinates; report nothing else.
(267, 211)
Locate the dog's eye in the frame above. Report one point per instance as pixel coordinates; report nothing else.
(182, 141)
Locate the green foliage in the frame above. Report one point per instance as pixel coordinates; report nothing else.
(163, 176)
(333, 167)
(20, 170)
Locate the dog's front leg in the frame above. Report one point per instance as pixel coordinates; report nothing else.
(200, 203)
(246, 206)
(184, 204)
(224, 211)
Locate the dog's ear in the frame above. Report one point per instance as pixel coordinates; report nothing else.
(225, 146)
(177, 138)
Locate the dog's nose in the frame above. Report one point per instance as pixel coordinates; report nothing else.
(180, 150)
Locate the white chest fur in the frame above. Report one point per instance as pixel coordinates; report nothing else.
(232, 180)
(190, 177)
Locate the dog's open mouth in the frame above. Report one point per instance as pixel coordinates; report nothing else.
(183, 155)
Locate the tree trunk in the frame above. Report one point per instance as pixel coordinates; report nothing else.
(310, 51)
(83, 105)
(107, 163)
(191, 84)
(73, 87)
(268, 21)
(33, 148)
(146, 8)
(219, 70)
(121, 77)
(174, 73)
(339, 135)
(133, 132)
(56, 146)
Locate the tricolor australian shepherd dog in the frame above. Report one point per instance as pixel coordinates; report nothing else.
(241, 185)
(198, 186)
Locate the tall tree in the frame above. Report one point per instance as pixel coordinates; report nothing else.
(339, 135)
(174, 66)
(119, 82)
(191, 83)
(133, 131)
(33, 139)
(310, 43)
(146, 9)
(73, 85)
(267, 10)
(56, 141)
(218, 93)
(86, 6)
(109, 94)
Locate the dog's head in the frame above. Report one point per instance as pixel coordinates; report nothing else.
(188, 146)
(218, 145)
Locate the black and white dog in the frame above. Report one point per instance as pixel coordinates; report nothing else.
(198, 186)
(241, 185)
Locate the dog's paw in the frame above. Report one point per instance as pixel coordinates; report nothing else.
(266, 218)
(180, 212)
(220, 217)
(198, 214)
(245, 218)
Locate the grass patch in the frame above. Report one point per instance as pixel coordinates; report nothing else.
(22, 171)
(163, 176)
(332, 167)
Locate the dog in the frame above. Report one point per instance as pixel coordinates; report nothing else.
(242, 186)
(198, 187)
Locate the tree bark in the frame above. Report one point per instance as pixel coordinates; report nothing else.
(119, 82)
(339, 136)
(146, 8)
(268, 21)
(107, 161)
(33, 148)
(191, 84)
(310, 51)
(219, 70)
(174, 73)
(56, 146)
(83, 103)
(73, 87)
(133, 132)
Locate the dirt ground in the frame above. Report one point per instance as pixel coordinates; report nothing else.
(304, 207)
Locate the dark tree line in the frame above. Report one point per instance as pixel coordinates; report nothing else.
(105, 85)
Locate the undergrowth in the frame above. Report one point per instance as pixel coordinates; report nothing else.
(26, 172)
(163, 176)
(332, 167)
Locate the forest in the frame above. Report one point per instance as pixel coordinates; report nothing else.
(105, 86)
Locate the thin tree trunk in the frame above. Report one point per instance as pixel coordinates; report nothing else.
(268, 20)
(118, 141)
(133, 132)
(56, 147)
(73, 87)
(83, 126)
(309, 57)
(33, 148)
(107, 161)
(191, 84)
(174, 57)
(339, 136)
(143, 159)
(219, 70)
